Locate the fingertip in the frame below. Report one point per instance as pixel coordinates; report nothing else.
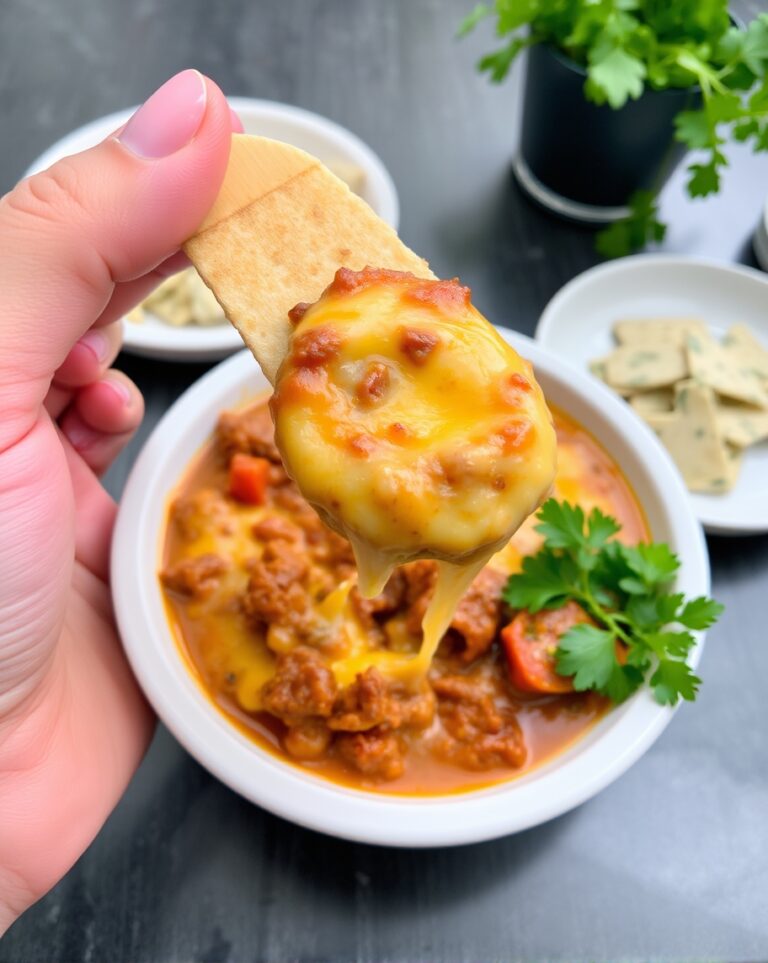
(112, 405)
(89, 357)
(98, 449)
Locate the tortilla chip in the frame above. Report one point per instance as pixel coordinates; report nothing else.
(279, 230)
(669, 331)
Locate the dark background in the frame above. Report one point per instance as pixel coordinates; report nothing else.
(671, 861)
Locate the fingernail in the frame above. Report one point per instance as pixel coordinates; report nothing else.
(97, 343)
(237, 124)
(169, 119)
(122, 392)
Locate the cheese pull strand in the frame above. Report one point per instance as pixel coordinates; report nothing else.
(452, 582)
(374, 569)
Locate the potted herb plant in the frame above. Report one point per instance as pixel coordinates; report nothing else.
(616, 91)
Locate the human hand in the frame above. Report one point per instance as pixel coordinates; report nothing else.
(79, 245)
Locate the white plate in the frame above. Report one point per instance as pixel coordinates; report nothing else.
(311, 132)
(603, 754)
(576, 324)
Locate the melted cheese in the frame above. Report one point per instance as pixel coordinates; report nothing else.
(416, 431)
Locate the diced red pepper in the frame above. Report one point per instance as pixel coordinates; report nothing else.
(248, 478)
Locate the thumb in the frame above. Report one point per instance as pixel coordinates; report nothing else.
(71, 235)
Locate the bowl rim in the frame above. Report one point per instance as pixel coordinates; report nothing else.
(554, 310)
(218, 341)
(555, 787)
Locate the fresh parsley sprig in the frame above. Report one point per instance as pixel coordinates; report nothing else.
(627, 591)
(626, 46)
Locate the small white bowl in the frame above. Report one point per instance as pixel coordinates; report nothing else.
(286, 790)
(577, 325)
(323, 138)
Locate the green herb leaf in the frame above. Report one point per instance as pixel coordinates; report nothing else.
(692, 127)
(625, 45)
(754, 50)
(600, 528)
(542, 583)
(468, 24)
(704, 180)
(653, 563)
(589, 655)
(677, 644)
(700, 613)
(637, 625)
(561, 524)
(641, 227)
(617, 75)
(497, 65)
(514, 14)
(674, 680)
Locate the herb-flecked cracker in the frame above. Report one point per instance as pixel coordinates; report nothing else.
(641, 367)
(741, 425)
(752, 354)
(655, 331)
(714, 365)
(653, 402)
(691, 435)
(597, 367)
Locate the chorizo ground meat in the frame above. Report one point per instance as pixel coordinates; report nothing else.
(195, 577)
(302, 687)
(249, 432)
(463, 714)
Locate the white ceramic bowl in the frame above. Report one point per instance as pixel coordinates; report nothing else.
(577, 323)
(564, 782)
(315, 134)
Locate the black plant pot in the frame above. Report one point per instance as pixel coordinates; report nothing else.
(583, 161)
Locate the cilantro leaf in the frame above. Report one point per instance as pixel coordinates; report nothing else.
(468, 24)
(745, 129)
(754, 49)
(498, 64)
(642, 226)
(540, 584)
(561, 524)
(692, 127)
(600, 528)
(704, 179)
(589, 655)
(654, 564)
(648, 611)
(616, 75)
(626, 45)
(670, 643)
(700, 613)
(514, 14)
(634, 625)
(674, 680)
